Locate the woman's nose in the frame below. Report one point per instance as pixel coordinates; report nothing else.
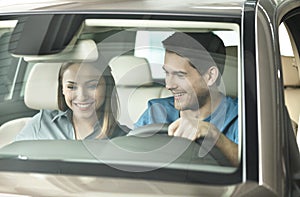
(82, 93)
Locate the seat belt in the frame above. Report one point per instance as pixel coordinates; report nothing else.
(298, 135)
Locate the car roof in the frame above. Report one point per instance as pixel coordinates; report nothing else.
(230, 7)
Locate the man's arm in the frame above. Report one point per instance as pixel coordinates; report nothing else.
(228, 148)
(193, 129)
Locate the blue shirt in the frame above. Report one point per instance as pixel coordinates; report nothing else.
(225, 117)
(55, 124)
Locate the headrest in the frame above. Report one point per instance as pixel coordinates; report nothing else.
(130, 70)
(229, 75)
(290, 71)
(42, 86)
(83, 50)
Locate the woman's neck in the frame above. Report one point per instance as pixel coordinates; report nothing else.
(83, 127)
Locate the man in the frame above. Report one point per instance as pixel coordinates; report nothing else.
(193, 64)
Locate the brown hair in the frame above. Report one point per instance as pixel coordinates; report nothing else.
(108, 112)
(202, 49)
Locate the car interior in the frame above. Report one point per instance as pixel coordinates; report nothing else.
(291, 81)
(133, 74)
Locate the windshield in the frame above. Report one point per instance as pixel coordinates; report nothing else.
(134, 94)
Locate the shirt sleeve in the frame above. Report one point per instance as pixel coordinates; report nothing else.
(145, 117)
(158, 111)
(231, 130)
(30, 129)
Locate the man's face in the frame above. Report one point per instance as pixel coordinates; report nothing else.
(185, 82)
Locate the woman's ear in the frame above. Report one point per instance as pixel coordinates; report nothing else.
(212, 75)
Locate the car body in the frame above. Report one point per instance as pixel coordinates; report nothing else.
(47, 33)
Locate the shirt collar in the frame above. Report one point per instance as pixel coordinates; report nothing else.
(58, 114)
(68, 114)
(222, 105)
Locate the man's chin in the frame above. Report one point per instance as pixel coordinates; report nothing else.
(179, 106)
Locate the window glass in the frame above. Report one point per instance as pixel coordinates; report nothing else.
(107, 74)
(8, 63)
(154, 52)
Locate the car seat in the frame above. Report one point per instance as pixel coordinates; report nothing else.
(135, 86)
(230, 75)
(291, 83)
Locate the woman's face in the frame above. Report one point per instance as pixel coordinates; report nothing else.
(84, 90)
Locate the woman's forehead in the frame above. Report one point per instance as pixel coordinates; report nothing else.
(82, 71)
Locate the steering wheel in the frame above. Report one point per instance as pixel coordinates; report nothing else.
(149, 130)
(159, 134)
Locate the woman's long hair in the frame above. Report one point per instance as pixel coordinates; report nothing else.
(108, 113)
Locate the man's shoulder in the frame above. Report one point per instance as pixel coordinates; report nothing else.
(231, 99)
(232, 107)
(166, 100)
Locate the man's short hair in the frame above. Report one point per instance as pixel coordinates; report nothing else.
(202, 49)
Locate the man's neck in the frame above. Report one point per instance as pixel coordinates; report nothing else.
(207, 109)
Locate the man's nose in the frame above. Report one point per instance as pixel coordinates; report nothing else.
(170, 83)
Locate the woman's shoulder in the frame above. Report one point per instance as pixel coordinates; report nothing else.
(120, 130)
(48, 115)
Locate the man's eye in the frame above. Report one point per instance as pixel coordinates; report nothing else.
(92, 86)
(71, 87)
(180, 75)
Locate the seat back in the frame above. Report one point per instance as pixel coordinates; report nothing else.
(230, 75)
(291, 83)
(134, 85)
(10, 129)
(40, 93)
(41, 89)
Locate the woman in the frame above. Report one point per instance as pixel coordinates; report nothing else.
(88, 105)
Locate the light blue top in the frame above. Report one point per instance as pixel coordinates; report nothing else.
(55, 124)
(225, 117)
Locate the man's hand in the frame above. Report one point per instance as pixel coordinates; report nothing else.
(193, 128)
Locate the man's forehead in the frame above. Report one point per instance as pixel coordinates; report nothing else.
(178, 67)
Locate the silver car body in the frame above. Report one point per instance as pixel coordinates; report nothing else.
(266, 156)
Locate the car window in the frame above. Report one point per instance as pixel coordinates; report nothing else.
(291, 80)
(135, 56)
(9, 65)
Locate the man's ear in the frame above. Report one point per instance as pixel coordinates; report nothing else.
(212, 75)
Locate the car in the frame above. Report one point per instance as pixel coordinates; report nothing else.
(262, 41)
